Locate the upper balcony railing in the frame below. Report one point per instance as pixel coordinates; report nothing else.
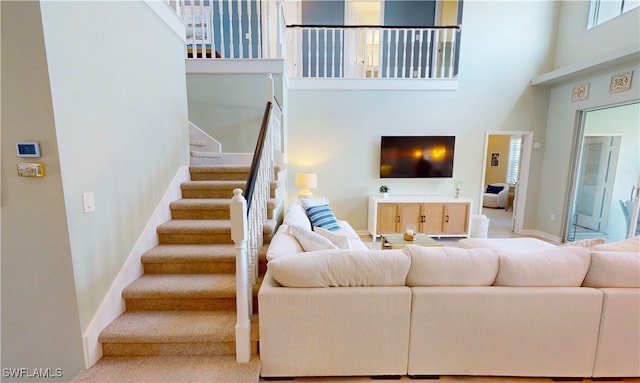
(369, 51)
(250, 29)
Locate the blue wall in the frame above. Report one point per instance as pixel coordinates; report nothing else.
(246, 8)
(406, 13)
(324, 13)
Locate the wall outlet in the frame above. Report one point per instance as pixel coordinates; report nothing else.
(552, 217)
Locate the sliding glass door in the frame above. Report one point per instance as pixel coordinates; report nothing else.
(604, 198)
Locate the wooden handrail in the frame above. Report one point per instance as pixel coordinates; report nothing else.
(255, 163)
(458, 27)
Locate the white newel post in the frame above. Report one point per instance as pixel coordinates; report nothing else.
(239, 235)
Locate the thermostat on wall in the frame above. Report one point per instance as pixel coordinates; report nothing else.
(28, 149)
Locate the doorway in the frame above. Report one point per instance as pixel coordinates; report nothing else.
(366, 42)
(507, 156)
(603, 198)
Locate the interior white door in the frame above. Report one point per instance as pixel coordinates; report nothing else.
(595, 182)
(362, 45)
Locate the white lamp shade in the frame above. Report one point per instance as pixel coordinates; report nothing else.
(306, 181)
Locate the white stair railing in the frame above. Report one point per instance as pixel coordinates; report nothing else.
(228, 29)
(371, 51)
(248, 216)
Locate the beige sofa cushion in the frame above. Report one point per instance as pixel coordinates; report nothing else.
(506, 245)
(342, 268)
(630, 244)
(557, 267)
(451, 266)
(613, 269)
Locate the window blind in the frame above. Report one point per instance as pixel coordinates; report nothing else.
(513, 166)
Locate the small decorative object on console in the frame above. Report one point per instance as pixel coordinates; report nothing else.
(409, 235)
(384, 191)
(457, 184)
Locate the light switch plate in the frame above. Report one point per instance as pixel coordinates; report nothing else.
(88, 202)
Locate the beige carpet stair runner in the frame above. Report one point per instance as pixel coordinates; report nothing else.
(181, 311)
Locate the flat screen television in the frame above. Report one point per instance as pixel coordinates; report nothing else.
(416, 156)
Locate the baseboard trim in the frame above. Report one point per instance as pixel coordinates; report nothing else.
(541, 235)
(113, 305)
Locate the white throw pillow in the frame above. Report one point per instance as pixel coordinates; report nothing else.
(297, 216)
(283, 243)
(451, 266)
(557, 267)
(309, 240)
(627, 245)
(309, 202)
(613, 269)
(342, 268)
(342, 241)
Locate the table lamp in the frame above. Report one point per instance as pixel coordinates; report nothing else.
(306, 181)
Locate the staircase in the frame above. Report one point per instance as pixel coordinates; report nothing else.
(184, 303)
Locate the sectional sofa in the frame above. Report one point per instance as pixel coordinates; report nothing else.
(494, 307)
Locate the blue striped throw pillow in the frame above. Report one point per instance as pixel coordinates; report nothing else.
(323, 217)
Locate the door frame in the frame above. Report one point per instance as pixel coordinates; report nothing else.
(578, 141)
(523, 174)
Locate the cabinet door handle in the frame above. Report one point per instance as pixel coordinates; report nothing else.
(423, 218)
(398, 219)
(447, 219)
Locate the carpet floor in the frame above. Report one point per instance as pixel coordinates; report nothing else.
(183, 369)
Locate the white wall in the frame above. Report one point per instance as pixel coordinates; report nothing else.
(84, 80)
(230, 107)
(337, 133)
(577, 46)
(561, 130)
(576, 43)
(40, 324)
(121, 124)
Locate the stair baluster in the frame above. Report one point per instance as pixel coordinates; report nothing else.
(248, 216)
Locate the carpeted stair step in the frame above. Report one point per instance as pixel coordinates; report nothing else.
(200, 208)
(210, 208)
(190, 259)
(219, 172)
(172, 369)
(210, 189)
(173, 332)
(195, 231)
(181, 292)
